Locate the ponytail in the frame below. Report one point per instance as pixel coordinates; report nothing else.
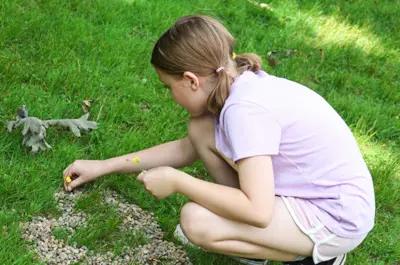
(202, 45)
(244, 62)
(220, 93)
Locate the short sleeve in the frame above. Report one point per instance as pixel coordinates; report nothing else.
(251, 130)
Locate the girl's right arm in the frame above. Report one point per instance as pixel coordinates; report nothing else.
(177, 154)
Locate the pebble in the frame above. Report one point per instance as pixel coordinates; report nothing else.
(52, 251)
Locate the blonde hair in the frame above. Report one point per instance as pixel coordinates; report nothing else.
(201, 45)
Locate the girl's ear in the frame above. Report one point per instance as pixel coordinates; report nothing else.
(192, 79)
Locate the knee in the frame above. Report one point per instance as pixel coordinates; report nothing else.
(194, 219)
(200, 129)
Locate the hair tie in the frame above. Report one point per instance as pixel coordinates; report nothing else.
(219, 69)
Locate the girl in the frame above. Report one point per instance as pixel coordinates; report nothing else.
(290, 182)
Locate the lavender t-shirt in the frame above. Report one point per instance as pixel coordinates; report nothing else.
(314, 154)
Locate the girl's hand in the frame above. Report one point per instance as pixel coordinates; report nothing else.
(160, 182)
(82, 171)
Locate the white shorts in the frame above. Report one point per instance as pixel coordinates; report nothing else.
(327, 245)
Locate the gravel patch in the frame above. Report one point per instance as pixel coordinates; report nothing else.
(53, 251)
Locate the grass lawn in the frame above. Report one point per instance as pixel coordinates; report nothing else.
(54, 54)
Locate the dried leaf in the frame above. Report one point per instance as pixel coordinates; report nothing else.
(253, 2)
(154, 260)
(84, 109)
(273, 62)
(315, 79)
(321, 51)
(273, 52)
(86, 104)
(266, 6)
(144, 106)
(290, 52)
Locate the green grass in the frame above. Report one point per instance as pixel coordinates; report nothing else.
(54, 54)
(102, 233)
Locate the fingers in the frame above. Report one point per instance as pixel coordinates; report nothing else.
(65, 174)
(75, 183)
(68, 172)
(141, 176)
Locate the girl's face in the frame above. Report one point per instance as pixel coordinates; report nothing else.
(188, 91)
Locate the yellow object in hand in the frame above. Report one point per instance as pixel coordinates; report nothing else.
(136, 160)
(68, 179)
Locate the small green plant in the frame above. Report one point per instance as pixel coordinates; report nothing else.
(60, 233)
(99, 232)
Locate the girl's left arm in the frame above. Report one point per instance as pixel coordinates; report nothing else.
(252, 204)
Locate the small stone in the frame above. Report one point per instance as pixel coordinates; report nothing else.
(63, 256)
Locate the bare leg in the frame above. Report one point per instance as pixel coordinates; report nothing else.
(282, 240)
